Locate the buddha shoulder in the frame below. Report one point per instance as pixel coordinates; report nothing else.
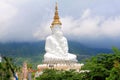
(64, 38)
(50, 37)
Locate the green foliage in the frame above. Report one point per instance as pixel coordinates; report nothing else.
(52, 74)
(102, 66)
(115, 72)
(116, 50)
(6, 69)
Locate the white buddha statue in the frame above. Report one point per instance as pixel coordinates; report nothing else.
(56, 46)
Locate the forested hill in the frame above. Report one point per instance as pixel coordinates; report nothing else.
(33, 51)
(24, 49)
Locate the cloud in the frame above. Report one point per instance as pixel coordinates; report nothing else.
(94, 27)
(29, 20)
(92, 30)
(19, 19)
(88, 29)
(7, 12)
(43, 31)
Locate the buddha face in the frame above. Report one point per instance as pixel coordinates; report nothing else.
(58, 34)
(56, 28)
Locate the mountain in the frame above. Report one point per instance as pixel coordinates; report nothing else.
(33, 51)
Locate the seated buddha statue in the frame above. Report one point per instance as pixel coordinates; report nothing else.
(56, 45)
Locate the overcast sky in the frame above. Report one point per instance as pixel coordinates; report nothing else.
(95, 23)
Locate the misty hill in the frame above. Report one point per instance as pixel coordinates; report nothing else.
(34, 51)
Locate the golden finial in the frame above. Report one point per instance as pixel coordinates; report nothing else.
(56, 17)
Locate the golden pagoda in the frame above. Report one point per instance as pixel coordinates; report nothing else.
(56, 20)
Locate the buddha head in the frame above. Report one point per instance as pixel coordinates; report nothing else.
(55, 28)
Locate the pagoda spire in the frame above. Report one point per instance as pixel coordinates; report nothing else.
(56, 20)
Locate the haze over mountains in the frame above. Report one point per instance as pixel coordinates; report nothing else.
(34, 51)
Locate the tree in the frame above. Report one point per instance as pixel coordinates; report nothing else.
(115, 72)
(102, 65)
(7, 69)
(52, 74)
